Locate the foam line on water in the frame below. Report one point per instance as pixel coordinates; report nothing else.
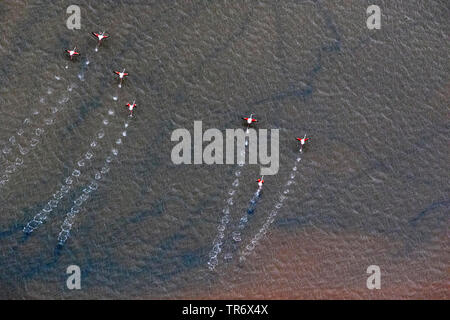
(78, 207)
(271, 217)
(12, 165)
(254, 201)
(59, 194)
(29, 135)
(16, 160)
(116, 95)
(84, 67)
(31, 123)
(24, 142)
(225, 218)
(68, 182)
(242, 223)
